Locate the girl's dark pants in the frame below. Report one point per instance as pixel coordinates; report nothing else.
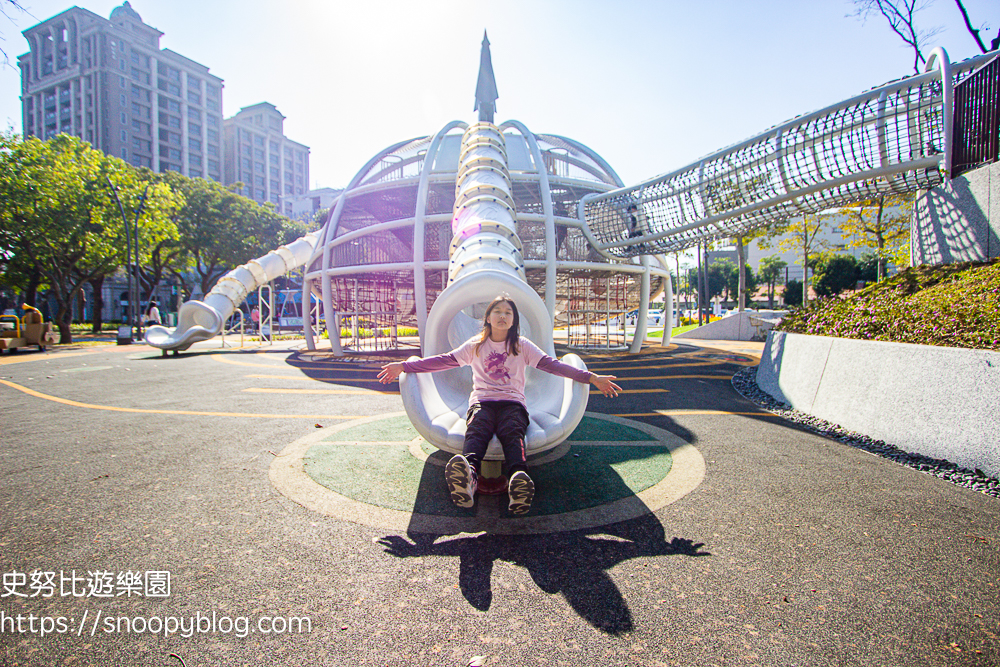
(508, 420)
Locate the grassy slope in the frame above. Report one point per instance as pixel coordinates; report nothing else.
(954, 305)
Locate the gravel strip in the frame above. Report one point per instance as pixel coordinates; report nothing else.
(745, 382)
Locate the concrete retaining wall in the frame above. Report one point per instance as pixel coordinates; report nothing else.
(959, 221)
(734, 327)
(942, 402)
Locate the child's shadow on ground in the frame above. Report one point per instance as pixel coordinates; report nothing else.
(560, 559)
(573, 563)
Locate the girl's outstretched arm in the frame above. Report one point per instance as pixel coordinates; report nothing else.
(440, 362)
(390, 372)
(605, 385)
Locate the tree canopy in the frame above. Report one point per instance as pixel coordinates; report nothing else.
(60, 226)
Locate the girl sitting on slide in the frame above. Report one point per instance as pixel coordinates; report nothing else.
(499, 357)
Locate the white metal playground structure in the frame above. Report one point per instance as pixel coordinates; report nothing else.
(588, 245)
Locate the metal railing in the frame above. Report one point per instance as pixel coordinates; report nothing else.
(977, 119)
(895, 138)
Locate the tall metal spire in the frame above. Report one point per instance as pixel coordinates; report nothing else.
(486, 88)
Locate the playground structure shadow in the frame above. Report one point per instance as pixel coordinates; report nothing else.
(574, 564)
(571, 562)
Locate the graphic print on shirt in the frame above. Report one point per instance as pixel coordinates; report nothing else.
(496, 369)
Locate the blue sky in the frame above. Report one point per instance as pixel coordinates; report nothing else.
(651, 86)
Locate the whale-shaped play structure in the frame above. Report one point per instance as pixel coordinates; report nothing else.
(201, 320)
(486, 261)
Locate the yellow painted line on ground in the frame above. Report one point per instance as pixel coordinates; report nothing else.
(111, 408)
(361, 392)
(40, 356)
(676, 377)
(710, 362)
(596, 392)
(309, 379)
(683, 413)
(329, 367)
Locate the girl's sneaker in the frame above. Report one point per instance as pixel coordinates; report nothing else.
(462, 481)
(521, 490)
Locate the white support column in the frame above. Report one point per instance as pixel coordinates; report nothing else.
(643, 314)
(419, 270)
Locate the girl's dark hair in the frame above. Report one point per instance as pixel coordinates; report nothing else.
(512, 334)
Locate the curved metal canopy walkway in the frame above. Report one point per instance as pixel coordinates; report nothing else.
(895, 138)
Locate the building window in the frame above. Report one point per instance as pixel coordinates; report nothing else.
(124, 151)
(213, 150)
(194, 114)
(194, 144)
(194, 128)
(194, 97)
(212, 135)
(122, 99)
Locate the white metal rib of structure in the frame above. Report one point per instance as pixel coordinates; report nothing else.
(201, 320)
(895, 138)
(486, 261)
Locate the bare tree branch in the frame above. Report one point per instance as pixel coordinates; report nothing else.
(901, 17)
(968, 25)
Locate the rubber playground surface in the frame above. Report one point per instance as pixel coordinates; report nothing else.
(267, 505)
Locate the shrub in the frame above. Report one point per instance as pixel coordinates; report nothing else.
(954, 305)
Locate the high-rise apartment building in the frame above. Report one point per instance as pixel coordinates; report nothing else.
(257, 154)
(110, 83)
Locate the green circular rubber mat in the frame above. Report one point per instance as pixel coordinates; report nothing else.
(604, 462)
(379, 471)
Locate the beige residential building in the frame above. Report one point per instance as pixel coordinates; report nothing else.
(109, 82)
(271, 167)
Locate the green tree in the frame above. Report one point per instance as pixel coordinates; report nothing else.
(834, 274)
(794, 289)
(868, 267)
(881, 223)
(219, 230)
(718, 272)
(58, 219)
(768, 273)
(802, 235)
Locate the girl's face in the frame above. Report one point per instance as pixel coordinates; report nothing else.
(501, 319)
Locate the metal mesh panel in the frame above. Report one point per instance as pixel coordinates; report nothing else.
(382, 247)
(370, 309)
(532, 235)
(440, 198)
(594, 306)
(888, 140)
(437, 240)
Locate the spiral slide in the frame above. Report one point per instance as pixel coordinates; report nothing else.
(201, 320)
(485, 261)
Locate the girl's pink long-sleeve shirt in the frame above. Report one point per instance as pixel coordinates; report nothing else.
(497, 375)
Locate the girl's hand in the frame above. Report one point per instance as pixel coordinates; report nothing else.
(390, 372)
(605, 384)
